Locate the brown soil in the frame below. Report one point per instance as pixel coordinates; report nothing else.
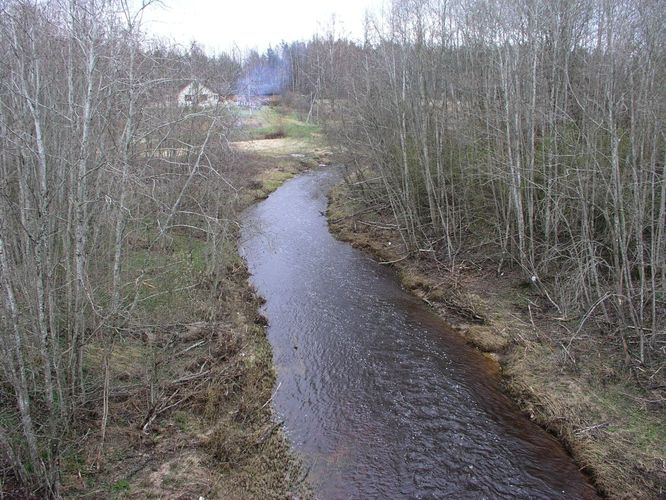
(573, 384)
(275, 135)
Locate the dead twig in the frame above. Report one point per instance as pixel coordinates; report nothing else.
(387, 262)
(193, 346)
(592, 428)
(271, 398)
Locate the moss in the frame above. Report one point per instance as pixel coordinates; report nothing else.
(272, 180)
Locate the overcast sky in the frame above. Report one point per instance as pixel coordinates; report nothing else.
(222, 24)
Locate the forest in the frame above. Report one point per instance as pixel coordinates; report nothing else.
(526, 136)
(531, 129)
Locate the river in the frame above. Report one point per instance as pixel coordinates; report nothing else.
(379, 396)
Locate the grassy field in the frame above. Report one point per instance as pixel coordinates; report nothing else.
(274, 122)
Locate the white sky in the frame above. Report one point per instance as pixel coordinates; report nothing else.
(219, 25)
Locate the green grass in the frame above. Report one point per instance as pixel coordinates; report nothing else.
(121, 486)
(294, 127)
(167, 269)
(269, 121)
(273, 180)
(631, 421)
(181, 420)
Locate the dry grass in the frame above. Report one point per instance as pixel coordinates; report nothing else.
(273, 147)
(612, 434)
(213, 433)
(577, 389)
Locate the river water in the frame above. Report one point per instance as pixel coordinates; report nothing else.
(380, 397)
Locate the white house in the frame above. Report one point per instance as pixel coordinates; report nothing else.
(196, 94)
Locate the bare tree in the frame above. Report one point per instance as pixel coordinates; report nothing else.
(538, 121)
(91, 152)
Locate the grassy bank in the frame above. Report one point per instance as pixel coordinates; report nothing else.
(568, 379)
(193, 376)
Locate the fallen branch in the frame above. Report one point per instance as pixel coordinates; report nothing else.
(189, 378)
(365, 210)
(155, 410)
(377, 225)
(592, 427)
(387, 262)
(193, 346)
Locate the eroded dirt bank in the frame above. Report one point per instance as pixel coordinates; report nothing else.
(572, 384)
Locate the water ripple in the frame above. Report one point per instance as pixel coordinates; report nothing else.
(381, 397)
